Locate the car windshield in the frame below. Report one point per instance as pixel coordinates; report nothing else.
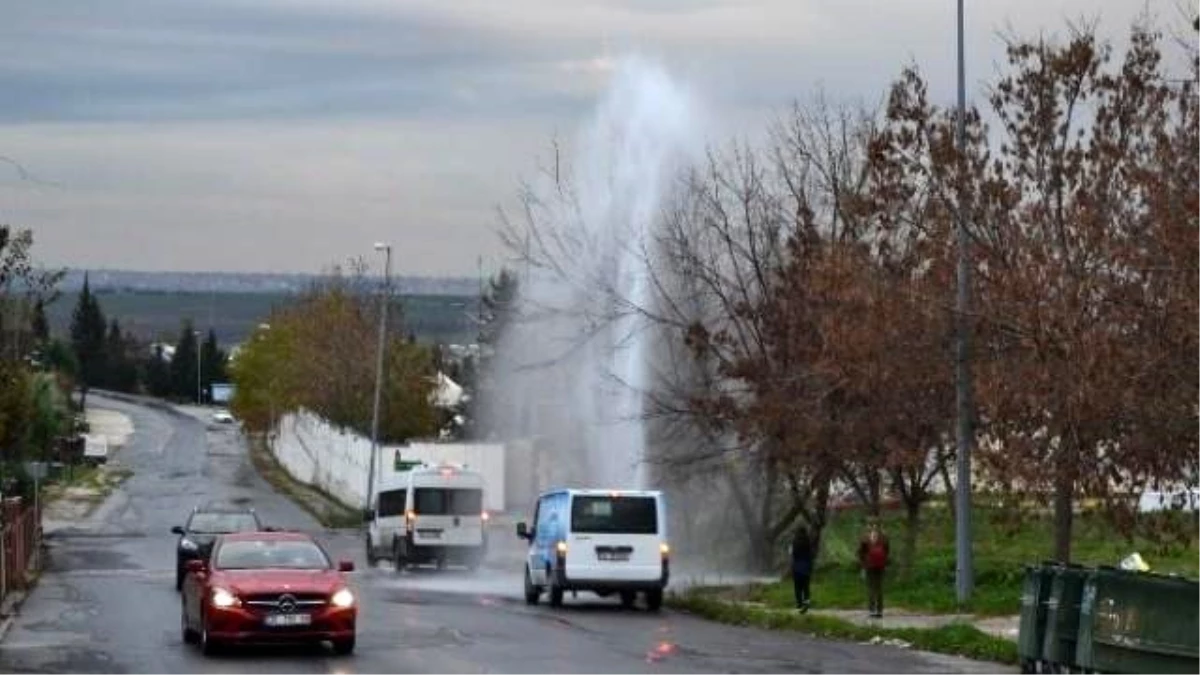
(624, 515)
(222, 523)
(267, 553)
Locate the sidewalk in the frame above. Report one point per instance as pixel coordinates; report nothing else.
(1005, 627)
(70, 506)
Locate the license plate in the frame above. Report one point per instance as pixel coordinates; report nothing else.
(615, 557)
(280, 620)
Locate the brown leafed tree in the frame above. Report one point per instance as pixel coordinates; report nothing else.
(1089, 247)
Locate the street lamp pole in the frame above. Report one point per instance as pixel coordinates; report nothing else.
(383, 308)
(964, 567)
(199, 386)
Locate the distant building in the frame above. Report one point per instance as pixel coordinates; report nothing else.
(222, 392)
(167, 350)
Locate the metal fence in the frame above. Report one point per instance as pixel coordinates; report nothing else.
(20, 544)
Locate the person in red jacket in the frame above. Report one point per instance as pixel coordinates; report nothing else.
(873, 556)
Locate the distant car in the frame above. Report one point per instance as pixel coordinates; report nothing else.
(222, 416)
(205, 524)
(268, 587)
(428, 514)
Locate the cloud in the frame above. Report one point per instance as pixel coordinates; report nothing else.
(288, 134)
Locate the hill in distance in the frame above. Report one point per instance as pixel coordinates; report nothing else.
(154, 305)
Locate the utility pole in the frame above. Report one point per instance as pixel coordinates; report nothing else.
(199, 386)
(383, 309)
(964, 566)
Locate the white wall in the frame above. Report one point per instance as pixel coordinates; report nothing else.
(335, 460)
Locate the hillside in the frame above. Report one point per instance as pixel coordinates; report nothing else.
(158, 314)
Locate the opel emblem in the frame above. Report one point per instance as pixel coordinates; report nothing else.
(287, 603)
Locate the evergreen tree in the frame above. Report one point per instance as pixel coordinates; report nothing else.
(155, 373)
(212, 362)
(38, 323)
(120, 371)
(87, 339)
(183, 364)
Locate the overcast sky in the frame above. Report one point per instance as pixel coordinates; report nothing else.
(272, 135)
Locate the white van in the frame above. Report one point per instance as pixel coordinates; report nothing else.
(604, 541)
(428, 514)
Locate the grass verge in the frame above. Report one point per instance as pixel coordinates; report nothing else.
(95, 482)
(958, 639)
(1002, 549)
(324, 507)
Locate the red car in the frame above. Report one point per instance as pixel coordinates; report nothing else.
(267, 587)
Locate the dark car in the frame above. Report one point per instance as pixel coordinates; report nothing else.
(205, 524)
(268, 587)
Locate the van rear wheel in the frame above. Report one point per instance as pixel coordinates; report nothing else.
(556, 591)
(654, 600)
(628, 598)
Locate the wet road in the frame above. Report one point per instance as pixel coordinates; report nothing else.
(107, 601)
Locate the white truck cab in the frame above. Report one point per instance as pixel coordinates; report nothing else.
(428, 514)
(603, 541)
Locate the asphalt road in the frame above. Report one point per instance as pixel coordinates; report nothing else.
(107, 602)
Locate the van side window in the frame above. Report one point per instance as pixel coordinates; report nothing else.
(391, 503)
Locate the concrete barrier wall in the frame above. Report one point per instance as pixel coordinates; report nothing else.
(316, 452)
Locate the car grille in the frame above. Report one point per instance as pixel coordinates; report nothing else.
(285, 602)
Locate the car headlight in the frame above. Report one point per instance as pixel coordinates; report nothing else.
(343, 598)
(188, 545)
(222, 598)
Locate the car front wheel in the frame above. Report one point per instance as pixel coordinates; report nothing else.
(207, 645)
(189, 635)
(342, 647)
(531, 592)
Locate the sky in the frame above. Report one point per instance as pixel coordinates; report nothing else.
(287, 136)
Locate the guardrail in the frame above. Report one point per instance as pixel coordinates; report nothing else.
(20, 544)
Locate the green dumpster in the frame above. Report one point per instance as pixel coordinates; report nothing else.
(1034, 595)
(1134, 622)
(1062, 616)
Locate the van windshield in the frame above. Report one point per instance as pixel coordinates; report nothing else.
(624, 515)
(448, 502)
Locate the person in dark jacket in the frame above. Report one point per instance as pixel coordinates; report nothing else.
(802, 567)
(873, 553)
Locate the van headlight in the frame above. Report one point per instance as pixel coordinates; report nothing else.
(223, 599)
(188, 545)
(561, 547)
(343, 599)
(664, 549)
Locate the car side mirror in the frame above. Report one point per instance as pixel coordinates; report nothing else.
(368, 516)
(177, 530)
(197, 566)
(345, 566)
(523, 531)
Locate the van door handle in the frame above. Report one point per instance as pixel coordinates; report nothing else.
(582, 538)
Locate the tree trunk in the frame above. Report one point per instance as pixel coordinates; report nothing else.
(948, 486)
(1064, 493)
(912, 526)
(83, 392)
(757, 532)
